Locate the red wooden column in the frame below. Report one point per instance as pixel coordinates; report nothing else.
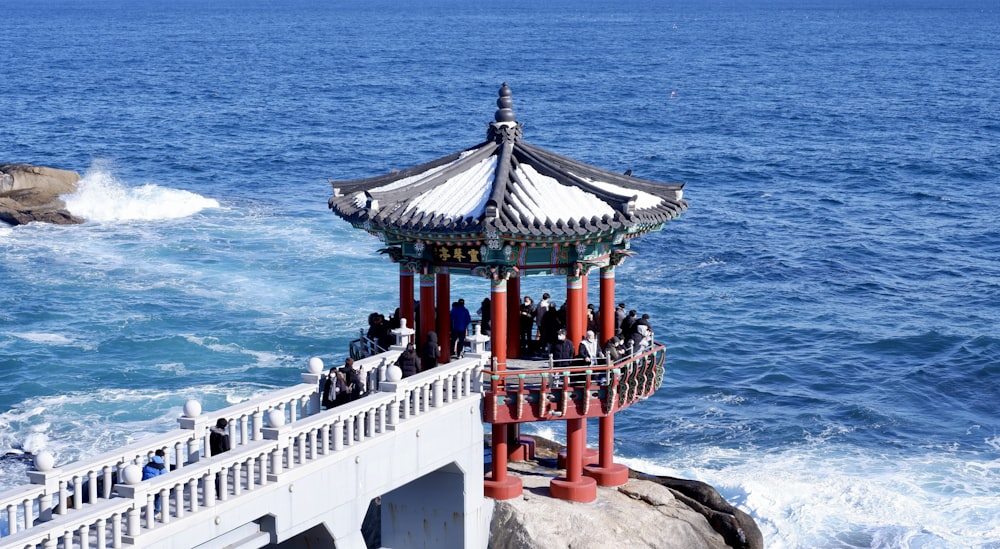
(500, 486)
(574, 486)
(607, 320)
(576, 327)
(406, 294)
(606, 472)
(426, 309)
(444, 314)
(576, 305)
(513, 316)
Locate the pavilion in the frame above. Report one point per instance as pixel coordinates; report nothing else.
(504, 210)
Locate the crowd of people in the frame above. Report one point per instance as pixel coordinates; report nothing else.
(542, 333)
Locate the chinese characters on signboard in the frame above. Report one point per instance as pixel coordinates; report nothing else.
(456, 254)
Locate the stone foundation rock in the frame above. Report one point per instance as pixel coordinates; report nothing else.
(31, 193)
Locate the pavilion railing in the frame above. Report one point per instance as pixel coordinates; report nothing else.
(561, 389)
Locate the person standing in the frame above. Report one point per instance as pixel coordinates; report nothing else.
(355, 388)
(156, 466)
(590, 352)
(408, 361)
(540, 310)
(485, 315)
(527, 322)
(218, 438)
(562, 348)
(431, 351)
(460, 320)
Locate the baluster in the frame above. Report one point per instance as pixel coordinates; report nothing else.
(381, 418)
(116, 530)
(370, 422)
(84, 532)
(258, 421)
(151, 509)
(11, 519)
(438, 393)
(262, 469)
(193, 493)
(132, 520)
(179, 504)
(208, 488)
(244, 435)
(102, 533)
(68, 538)
(28, 505)
(77, 492)
(338, 435)
(324, 440)
(300, 443)
(349, 429)
(49, 543)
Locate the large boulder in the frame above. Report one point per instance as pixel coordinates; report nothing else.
(31, 193)
(648, 511)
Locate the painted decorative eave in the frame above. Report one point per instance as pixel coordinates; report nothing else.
(508, 187)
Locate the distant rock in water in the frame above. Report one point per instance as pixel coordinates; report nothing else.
(31, 193)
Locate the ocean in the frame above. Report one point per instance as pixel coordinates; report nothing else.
(830, 300)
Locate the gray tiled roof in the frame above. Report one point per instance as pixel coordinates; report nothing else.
(509, 186)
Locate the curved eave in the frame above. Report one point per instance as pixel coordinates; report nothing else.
(506, 186)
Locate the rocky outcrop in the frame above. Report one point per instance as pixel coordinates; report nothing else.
(648, 511)
(31, 193)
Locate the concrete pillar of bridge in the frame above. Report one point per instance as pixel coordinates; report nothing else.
(406, 306)
(426, 310)
(574, 486)
(444, 314)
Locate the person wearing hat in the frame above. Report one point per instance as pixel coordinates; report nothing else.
(562, 349)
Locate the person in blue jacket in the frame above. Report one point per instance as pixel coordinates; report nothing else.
(156, 466)
(460, 320)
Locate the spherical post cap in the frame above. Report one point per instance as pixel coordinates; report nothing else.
(132, 474)
(275, 418)
(393, 373)
(44, 461)
(315, 365)
(192, 408)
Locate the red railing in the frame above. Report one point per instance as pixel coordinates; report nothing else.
(571, 392)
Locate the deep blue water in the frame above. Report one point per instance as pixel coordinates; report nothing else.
(830, 300)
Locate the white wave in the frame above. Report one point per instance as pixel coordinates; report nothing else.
(42, 337)
(811, 498)
(102, 197)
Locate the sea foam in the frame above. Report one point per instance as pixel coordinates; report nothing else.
(102, 197)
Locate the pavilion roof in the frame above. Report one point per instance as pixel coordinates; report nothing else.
(507, 187)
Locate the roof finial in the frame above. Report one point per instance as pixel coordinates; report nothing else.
(505, 113)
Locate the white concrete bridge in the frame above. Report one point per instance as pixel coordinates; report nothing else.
(297, 476)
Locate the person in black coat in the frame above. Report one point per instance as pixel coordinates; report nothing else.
(527, 322)
(562, 349)
(408, 361)
(431, 352)
(354, 386)
(218, 439)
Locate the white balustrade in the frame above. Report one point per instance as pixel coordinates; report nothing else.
(89, 506)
